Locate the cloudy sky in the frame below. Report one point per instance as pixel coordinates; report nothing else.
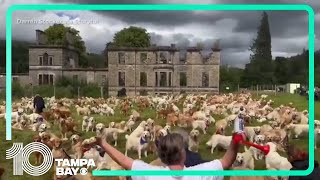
(235, 29)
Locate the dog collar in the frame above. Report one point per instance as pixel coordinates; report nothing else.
(142, 141)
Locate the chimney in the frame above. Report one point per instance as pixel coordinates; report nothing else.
(173, 45)
(70, 38)
(41, 37)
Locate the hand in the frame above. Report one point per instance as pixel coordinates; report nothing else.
(98, 141)
(238, 138)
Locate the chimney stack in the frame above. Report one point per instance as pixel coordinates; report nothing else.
(41, 37)
(70, 38)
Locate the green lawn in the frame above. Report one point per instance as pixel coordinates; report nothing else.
(26, 137)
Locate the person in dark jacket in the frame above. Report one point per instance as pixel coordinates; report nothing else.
(192, 158)
(300, 161)
(38, 104)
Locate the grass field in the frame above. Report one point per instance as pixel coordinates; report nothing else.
(26, 136)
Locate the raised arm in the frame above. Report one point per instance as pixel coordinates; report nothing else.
(231, 154)
(117, 156)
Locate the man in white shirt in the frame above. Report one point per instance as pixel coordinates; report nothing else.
(172, 153)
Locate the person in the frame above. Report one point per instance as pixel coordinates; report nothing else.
(192, 158)
(171, 150)
(300, 161)
(38, 104)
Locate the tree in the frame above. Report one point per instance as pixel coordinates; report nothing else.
(132, 37)
(281, 70)
(20, 56)
(260, 69)
(96, 60)
(57, 34)
(229, 77)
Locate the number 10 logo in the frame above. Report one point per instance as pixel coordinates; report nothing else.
(20, 156)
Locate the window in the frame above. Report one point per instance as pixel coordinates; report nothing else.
(45, 59)
(143, 79)
(122, 79)
(143, 57)
(40, 60)
(183, 56)
(156, 79)
(51, 79)
(171, 57)
(155, 53)
(205, 79)
(50, 60)
(75, 78)
(40, 79)
(183, 79)
(169, 79)
(71, 62)
(45, 79)
(121, 58)
(163, 58)
(163, 79)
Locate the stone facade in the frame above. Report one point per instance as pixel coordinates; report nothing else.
(153, 70)
(162, 67)
(48, 62)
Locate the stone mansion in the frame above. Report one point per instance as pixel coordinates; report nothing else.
(152, 70)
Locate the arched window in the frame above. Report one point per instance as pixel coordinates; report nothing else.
(45, 59)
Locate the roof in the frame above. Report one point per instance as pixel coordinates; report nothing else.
(157, 48)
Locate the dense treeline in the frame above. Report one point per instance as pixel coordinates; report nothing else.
(293, 69)
(20, 56)
(264, 70)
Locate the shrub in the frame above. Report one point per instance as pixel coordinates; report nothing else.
(64, 87)
(65, 92)
(44, 90)
(17, 90)
(91, 90)
(143, 93)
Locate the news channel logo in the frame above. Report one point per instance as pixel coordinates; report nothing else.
(20, 155)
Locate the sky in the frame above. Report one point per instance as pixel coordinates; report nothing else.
(234, 29)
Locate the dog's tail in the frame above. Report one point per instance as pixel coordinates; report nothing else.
(126, 136)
